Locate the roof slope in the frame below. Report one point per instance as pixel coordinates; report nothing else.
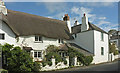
(94, 27)
(24, 24)
(80, 49)
(77, 29)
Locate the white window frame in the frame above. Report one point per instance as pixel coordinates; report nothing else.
(38, 40)
(37, 54)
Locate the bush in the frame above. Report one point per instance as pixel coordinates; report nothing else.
(87, 60)
(65, 62)
(44, 63)
(116, 52)
(4, 71)
(17, 60)
(113, 49)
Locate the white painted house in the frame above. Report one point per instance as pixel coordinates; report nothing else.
(91, 38)
(34, 33)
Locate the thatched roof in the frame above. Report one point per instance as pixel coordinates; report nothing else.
(24, 24)
(77, 29)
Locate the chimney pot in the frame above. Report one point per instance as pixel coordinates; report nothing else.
(84, 14)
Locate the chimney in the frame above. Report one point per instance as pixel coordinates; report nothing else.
(84, 25)
(3, 8)
(66, 18)
(76, 23)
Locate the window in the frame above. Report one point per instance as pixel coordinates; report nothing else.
(102, 50)
(75, 35)
(38, 39)
(37, 54)
(102, 36)
(60, 40)
(2, 36)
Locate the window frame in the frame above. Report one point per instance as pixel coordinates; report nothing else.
(39, 39)
(2, 36)
(102, 36)
(37, 54)
(102, 50)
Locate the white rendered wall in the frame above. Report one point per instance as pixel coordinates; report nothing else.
(29, 41)
(98, 43)
(85, 40)
(9, 35)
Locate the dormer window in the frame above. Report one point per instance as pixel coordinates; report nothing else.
(2, 36)
(38, 39)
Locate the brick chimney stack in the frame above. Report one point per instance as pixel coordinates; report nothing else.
(66, 18)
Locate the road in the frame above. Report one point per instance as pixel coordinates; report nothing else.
(112, 67)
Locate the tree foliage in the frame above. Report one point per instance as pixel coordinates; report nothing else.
(52, 51)
(85, 60)
(113, 49)
(17, 59)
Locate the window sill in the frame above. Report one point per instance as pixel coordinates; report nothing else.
(38, 42)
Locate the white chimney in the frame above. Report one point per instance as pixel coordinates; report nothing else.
(3, 8)
(76, 23)
(67, 20)
(84, 25)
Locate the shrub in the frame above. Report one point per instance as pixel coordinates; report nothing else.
(17, 60)
(65, 62)
(113, 49)
(87, 60)
(4, 71)
(44, 63)
(116, 52)
(52, 51)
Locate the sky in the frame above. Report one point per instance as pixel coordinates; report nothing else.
(102, 14)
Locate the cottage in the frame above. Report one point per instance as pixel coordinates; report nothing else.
(34, 33)
(91, 38)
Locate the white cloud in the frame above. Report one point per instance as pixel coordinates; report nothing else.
(102, 18)
(112, 26)
(80, 11)
(102, 22)
(55, 6)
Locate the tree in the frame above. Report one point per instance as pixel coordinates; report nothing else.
(18, 60)
(52, 51)
(85, 60)
(113, 49)
(111, 31)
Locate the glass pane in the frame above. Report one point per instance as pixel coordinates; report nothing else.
(40, 38)
(2, 36)
(102, 51)
(39, 54)
(35, 54)
(102, 36)
(36, 38)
